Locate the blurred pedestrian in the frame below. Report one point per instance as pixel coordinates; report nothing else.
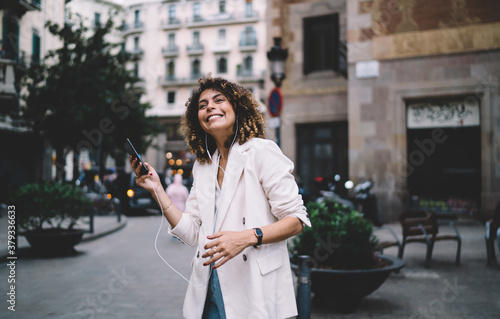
(243, 205)
(178, 193)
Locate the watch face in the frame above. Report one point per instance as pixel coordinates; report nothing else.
(258, 231)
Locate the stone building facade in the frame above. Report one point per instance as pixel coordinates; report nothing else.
(420, 108)
(424, 113)
(314, 116)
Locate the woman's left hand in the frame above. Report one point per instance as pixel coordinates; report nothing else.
(227, 244)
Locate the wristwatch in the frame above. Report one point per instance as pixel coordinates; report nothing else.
(258, 233)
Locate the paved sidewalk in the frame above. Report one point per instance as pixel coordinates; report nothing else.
(470, 290)
(103, 225)
(121, 276)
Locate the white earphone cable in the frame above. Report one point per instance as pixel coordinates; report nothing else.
(171, 267)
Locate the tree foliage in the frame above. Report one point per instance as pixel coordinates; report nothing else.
(82, 96)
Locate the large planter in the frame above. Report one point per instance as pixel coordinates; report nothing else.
(345, 289)
(54, 241)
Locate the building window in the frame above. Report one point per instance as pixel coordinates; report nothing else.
(97, 20)
(10, 40)
(248, 37)
(136, 44)
(222, 65)
(248, 8)
(195, 69)
(171, 40)
(222, 6)
(171, 12)
(36, 47)
(196, 11)
(137, 17)
(222, 35)
(171, 70)
(321, 36)
(170, 97)
(196, 38)
(248, 66)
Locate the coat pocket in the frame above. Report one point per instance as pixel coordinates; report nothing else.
(270, 261)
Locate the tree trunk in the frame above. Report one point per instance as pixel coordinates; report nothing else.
(60, 165)
(76, 166)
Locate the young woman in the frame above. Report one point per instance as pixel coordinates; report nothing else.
(242, 207)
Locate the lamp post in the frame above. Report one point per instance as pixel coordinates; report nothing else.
(277, 56)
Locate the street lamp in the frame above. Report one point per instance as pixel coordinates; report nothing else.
(277, 56)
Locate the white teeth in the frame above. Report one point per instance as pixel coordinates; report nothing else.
(211, 116)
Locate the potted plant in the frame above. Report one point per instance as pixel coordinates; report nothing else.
(47, 214)
(345, 260)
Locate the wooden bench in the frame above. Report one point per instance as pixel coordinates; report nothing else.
(422, 227)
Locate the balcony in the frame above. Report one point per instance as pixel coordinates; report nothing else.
(196, 20)
(250, 17)
(170, 24)
(20, 7)
(195, 49)
(247, 76)
(173, 81)
(135, 54)
(221, 47)
(135, 27)
(170, 51)
(195, 76)
(219, 19)
(248, 44)
(168, 80)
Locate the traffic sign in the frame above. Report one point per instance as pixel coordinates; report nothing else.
(275, 102)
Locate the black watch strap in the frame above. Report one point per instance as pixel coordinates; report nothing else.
(258, 233)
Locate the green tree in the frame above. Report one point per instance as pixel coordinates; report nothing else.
(82, 96)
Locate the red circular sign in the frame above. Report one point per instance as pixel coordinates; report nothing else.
(275, 102)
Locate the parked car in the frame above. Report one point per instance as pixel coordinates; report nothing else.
(133, 198)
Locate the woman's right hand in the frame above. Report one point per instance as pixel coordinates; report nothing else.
(149, 182)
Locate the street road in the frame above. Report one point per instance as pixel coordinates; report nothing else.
(116, 276)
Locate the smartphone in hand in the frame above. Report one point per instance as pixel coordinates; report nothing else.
(131, 150)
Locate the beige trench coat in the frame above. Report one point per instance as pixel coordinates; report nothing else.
(258, 189)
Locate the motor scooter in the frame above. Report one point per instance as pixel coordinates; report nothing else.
(334, 192)
(368, 203)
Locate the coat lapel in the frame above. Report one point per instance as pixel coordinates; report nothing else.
(234, 169)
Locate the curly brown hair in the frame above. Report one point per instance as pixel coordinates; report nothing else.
(250, 122)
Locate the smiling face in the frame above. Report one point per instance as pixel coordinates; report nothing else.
(216, 114)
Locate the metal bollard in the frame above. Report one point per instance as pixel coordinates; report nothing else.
(91, 222)
(304, 288)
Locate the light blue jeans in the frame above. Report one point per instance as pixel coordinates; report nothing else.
(214, 305)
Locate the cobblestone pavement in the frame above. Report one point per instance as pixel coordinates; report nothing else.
(116, 276)
(121, 276)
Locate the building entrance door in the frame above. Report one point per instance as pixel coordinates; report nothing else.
(444, 156)
(321, 154)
